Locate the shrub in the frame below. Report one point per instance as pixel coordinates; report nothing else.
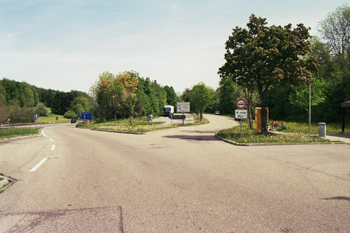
(100, 120)
(70, 114)
(41, 109)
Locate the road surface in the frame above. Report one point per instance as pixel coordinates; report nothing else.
(175, 180)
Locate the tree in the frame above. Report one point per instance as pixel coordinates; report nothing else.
(261, 57)
(335, 30)
(41, 109)
(161, 97)
(200, 98)
(101, 94)
(129, 81)
(171, 97)
(229, 94)
(333, 50)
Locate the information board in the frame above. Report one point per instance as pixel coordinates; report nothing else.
(86, 116)
(183, 107)
(241, 114)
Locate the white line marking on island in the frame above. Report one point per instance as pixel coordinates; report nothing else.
(43, 133)
(38, 165)
(53, 147)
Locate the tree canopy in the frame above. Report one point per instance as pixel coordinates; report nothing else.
(261, 56)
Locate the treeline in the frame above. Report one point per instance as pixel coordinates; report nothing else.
(331, 84)
(127, 94)
(20, 101)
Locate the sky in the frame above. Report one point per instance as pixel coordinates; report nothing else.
(65, 45)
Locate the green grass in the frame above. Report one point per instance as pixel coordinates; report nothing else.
(296, 127)
(51, 118)
(138, 125)
(15, 132)
(252, 136)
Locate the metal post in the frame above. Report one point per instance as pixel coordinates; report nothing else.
(343, 120)
(309, 108)
(183, 118)
(241, 129)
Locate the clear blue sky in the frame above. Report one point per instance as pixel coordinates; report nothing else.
(65, 45)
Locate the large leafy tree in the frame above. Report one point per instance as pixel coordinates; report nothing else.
(171, 97)
(200, 98)
(129, 81)
(261, 56)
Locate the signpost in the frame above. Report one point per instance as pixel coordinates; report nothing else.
(183, 107)
(241, 104)
(36, 116)
(241, 114)
(86, 116)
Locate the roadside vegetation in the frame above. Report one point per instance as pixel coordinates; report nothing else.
(297, 127)
(16, 132)
(293, 135)
(136, 125)
(51, 118)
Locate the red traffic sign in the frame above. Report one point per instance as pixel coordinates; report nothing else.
(241, 103)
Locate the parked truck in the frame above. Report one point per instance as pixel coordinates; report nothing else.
(168, 110)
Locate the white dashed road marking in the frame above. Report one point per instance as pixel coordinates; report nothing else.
(38, 165)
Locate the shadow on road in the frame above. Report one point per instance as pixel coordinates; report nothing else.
(338, 198)
(198, 131)
(194, 137)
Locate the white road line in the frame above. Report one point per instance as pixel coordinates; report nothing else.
(38, 165)
(43, 133)
(51, 139)
(53, 147)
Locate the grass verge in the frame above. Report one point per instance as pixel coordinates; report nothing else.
(252, 136)
(297, 127)
(137, 125)
(16, 132)
(51, 118)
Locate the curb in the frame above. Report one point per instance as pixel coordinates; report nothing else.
(6, 183)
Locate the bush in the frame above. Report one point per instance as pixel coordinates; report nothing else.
(70, 114)
(100, 120)
(41, 109)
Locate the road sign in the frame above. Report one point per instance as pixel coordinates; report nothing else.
(183, 107)
(241, 103)
(36, 116)
(241, 114)
(86, 116)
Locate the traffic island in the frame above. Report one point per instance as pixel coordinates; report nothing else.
(5, 182)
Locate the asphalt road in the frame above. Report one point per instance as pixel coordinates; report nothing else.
(175, 180)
